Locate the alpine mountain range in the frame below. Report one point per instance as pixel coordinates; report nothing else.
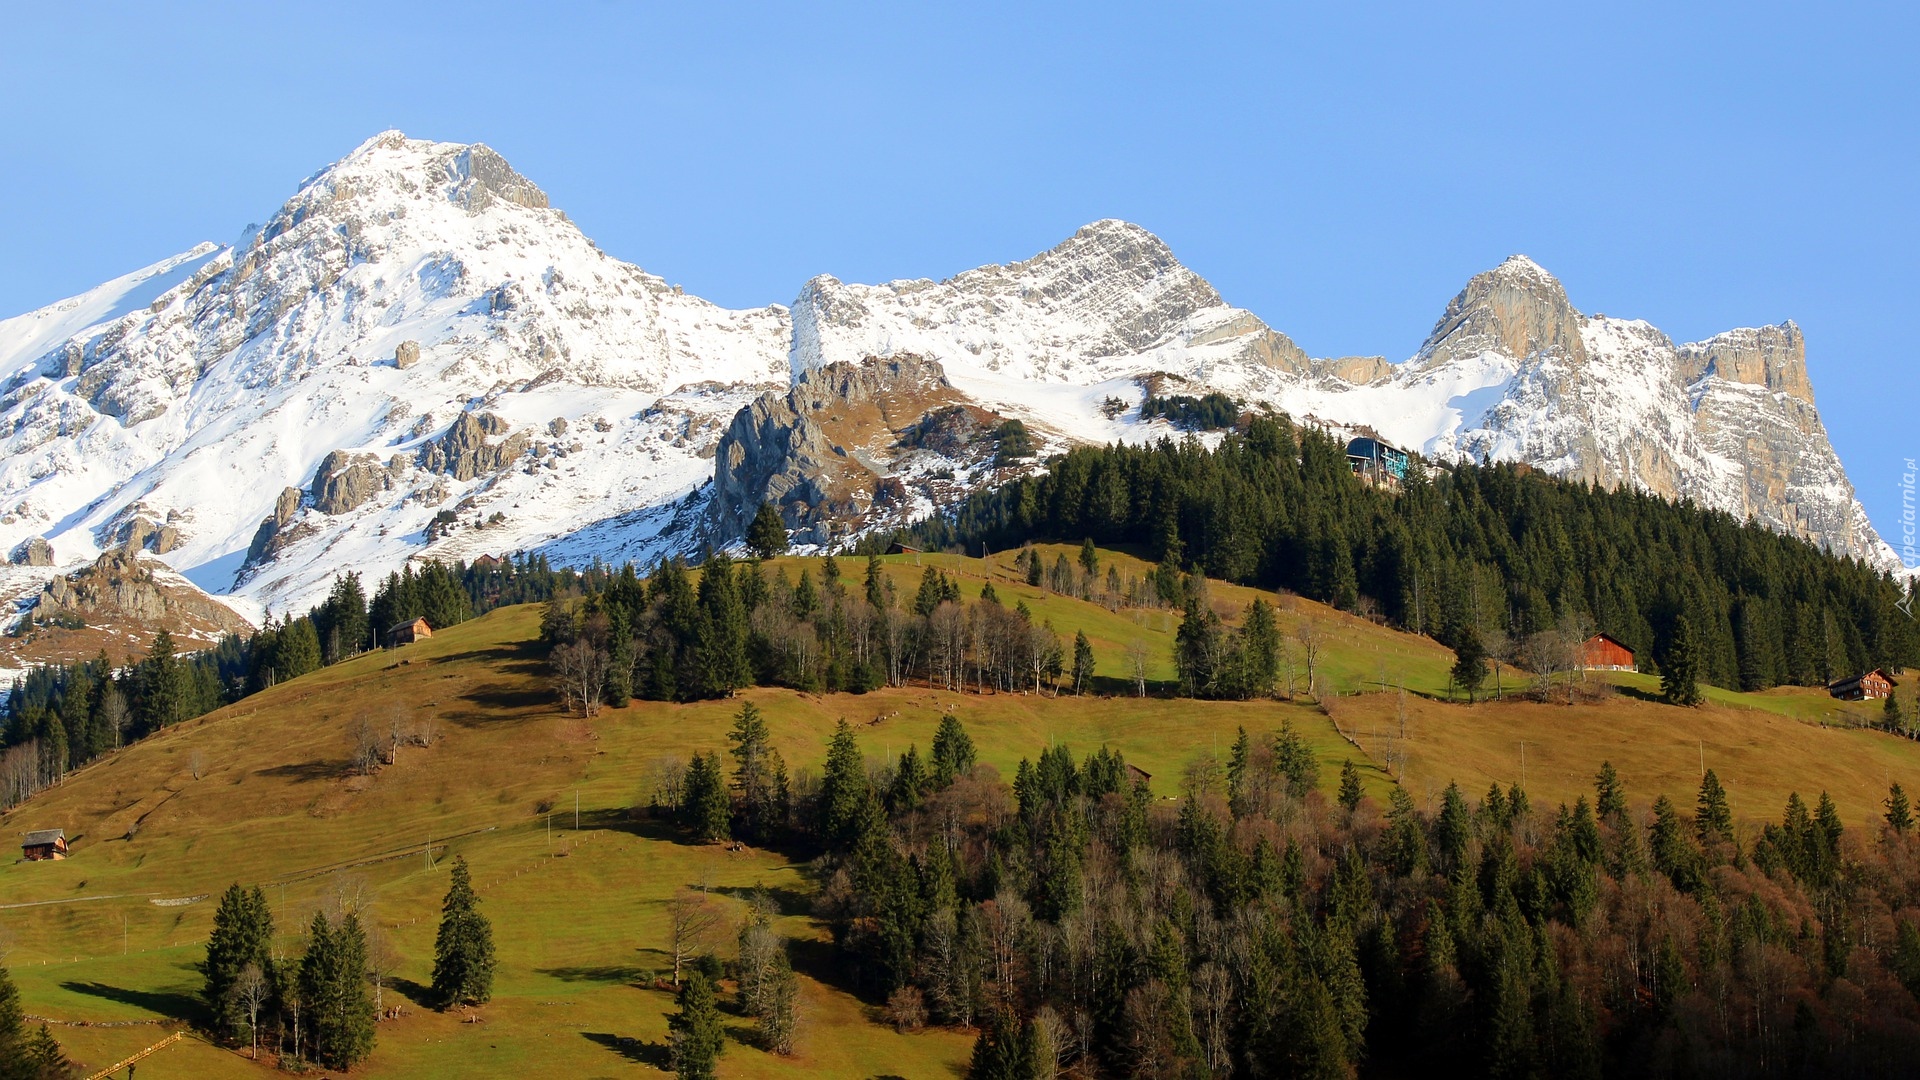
(417, 356)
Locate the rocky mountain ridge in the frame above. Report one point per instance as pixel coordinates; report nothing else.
(418, 355)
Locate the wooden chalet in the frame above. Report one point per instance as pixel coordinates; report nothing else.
(1137, 774)
(409, 631)
(902, 549)
(44, 845)
(1872, 686)
(487, 562)
(1604, 652)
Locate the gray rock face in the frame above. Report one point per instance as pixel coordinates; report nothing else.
(274, 532)
(823, 452)
(345, 481)
(406, 355)
(464, 452)
(34, 552)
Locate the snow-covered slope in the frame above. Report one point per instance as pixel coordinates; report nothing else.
(417, 336)
(1511, 372)
(193, 410)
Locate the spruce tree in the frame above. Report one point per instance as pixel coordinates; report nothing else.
(1899, 813)
(767, 535)
(299, 650)
(952, 752)
(705, 807)
(755, 765)
(1610, 797)
(1891, 716)
(1470, 663)
(242, 935)
(162, 682)
(1349, 786)
(1713, 819)
(13, 1033)
(695, 1035)
(1083, 662)
(463, 949)
(1680, 670)
(1260, 649)
(843, 789)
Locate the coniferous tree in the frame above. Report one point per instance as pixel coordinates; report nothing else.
(705, 807)
(843, 789)
(15, 1062)
(1899, 812)
(463, 947)
(242, 935)
(1680, 670)
(1713, 819)
(1470, 663)
(767, 535)
(162, 684)
(299, 650)
(1610, 798)
(758, 773)
(952, 751)
(1891, 716)
(1082, 662)
(1260, 649)
(1349, 785)
(333, 989)
(695, 1035)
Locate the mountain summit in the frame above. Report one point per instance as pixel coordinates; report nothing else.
(418, 355)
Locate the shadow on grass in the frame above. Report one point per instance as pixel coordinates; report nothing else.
(630, 974)
(307, 772)
(786, 901)
(170, 1004)
(638, 1051)
(419, 993)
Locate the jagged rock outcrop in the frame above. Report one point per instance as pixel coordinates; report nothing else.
(464, 452)
(274, 532)
(406, 354)
(345, 481)
(33, 551)
(1774, 357)
(846, 440)
(121, 587)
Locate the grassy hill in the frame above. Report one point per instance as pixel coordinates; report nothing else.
(264, 791)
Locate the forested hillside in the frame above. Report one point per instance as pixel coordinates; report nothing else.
(1494, 551)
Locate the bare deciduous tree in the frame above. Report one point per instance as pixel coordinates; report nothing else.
(197, 763)
(691, 918)
(252, 991)
(1137, 665)
(580, 672)
(366, 746)
(1312, 640)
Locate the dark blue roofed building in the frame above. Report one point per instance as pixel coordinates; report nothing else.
(1376, 462)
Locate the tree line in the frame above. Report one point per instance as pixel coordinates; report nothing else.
(58, 717)
(1258, 928)
(1495, 552)
(670, 637)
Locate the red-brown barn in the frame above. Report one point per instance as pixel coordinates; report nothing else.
(45, 844)
(1604, 652)
(411, 630)
(1872, 686)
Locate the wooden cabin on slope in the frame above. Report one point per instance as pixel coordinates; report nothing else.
(1604, 652)
(44, 845)
(1873, 686)
(409, 631)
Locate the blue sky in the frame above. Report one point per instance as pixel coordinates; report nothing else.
(1339, 169)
